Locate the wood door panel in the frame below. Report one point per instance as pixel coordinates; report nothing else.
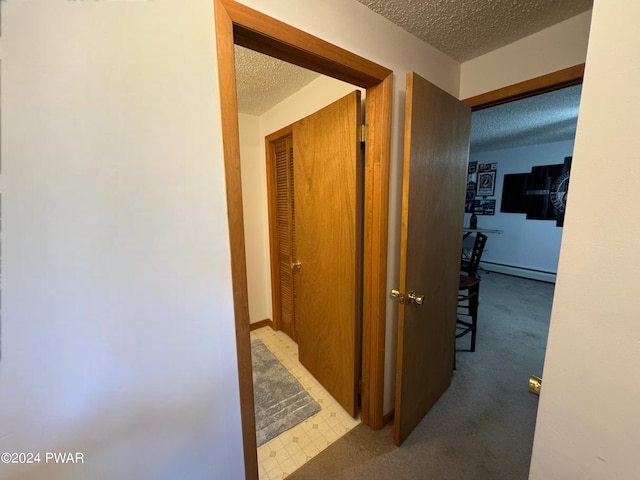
(435, 168)
(327, 198)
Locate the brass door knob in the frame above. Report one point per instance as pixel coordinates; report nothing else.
(407, 299)
(419, 299)
(396, 294)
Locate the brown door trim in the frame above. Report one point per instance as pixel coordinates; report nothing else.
(237, 23)
(542, 84)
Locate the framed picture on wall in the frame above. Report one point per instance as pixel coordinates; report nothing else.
(472, 173)
(486, 183)
(485, 206)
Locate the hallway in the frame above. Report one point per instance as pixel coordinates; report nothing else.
(482, 427)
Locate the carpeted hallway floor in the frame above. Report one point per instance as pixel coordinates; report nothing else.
(482, 427)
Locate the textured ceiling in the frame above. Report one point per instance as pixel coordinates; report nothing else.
(465, 29)
(546, 118)
(263, 81)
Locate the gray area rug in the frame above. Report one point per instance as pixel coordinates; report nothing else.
(280, 401)
(482, 427)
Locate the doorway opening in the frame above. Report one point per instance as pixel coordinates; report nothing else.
(310, 135)
(311, 289)
(517, 284)
(314, 255)
(238, 24)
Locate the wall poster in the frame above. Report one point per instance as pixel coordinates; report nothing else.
(481, 182)
(541, 193)
(486, 183)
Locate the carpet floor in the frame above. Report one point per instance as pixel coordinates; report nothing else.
(482, 427)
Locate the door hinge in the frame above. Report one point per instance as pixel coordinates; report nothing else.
(360, 387)
(364, 132)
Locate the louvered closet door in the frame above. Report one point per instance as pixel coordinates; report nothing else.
(285, 215)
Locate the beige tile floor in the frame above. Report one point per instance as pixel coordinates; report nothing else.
(282, 455)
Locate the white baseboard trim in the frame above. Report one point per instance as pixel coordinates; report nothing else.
(519, 272)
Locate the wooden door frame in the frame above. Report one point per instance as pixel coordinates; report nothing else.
(566, 77)
(238, 24)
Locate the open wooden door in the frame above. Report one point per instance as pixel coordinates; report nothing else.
(436, 155)
(327, 172)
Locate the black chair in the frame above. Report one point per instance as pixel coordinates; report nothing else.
(471, 260)
(469, 293)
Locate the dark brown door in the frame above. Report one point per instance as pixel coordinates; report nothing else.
(327, 167)
(435, 169)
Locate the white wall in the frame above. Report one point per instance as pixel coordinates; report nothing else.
(588, 419)
(555, 48)
(117, 322)
(524, 244)
(253, 130)
(256, 221)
